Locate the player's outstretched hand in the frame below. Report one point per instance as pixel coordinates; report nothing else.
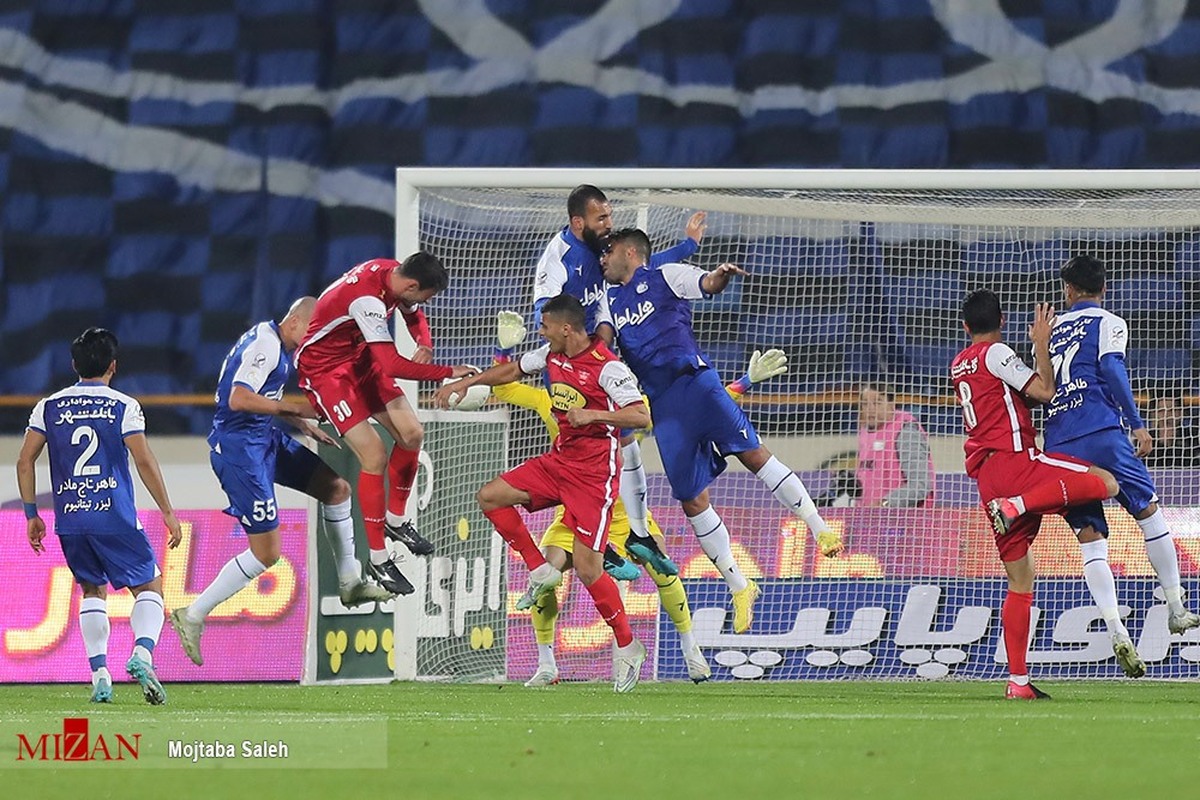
(767, 365)
(174, 530)
(321, 436)
(696, 226)
(35, 529)
(422, 355)
(510, 329)
(1043, 323)
(441, 398)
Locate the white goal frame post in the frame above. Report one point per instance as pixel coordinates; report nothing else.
(1112, 202)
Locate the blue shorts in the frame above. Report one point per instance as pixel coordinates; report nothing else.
(1110, 450)
(697, 425)
(249, 483)
(121, 559)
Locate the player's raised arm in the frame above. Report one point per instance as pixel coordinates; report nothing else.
(716, 281)
(762, 367)
(1041, 387)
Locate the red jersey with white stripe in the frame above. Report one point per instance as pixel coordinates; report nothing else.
(353, 313)
(989, 379)
(594, 379)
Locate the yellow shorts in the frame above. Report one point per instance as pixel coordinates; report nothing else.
(559, 535)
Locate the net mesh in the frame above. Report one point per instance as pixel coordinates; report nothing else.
(856, 287)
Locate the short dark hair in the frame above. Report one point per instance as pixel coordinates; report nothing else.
(93, 352)
(1085, 273)
(580, 196)
(569, 309)
(981, 311)
(427, 270)
(634, 236)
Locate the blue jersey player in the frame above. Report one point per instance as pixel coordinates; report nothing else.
(91, 430)
(696, 423)
(1087, 418)
(250, 453)
(570, 265)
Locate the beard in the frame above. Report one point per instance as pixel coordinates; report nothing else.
(592, 240)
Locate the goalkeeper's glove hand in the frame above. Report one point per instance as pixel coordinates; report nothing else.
(510, 329)
(766, 365)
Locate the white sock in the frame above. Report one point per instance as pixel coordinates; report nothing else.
(789, 490)
(102, 672)
(687, 640)
(546, 656)
(1019, 680)
(380, 556)
(146, 620)
(1098, 575)
(1018, 503)
(233, 577)
(633, 487)
(1160, 548)
(339, 529)
(714, 540)
(93, 623)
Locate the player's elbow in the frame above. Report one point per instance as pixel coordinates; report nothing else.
(639, 417)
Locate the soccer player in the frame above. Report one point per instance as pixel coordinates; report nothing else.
(348, 367)
(593, 395)
(697, 425)
(558, 540)
(250, 454)
(92, 430)
(1017, 482)
(571, 264)
(1085, 419)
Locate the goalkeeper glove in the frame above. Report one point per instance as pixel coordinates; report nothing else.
(510, 329)
(766, 365)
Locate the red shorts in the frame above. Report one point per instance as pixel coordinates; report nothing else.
(585, 490)
(1011, 474)
(348, 393)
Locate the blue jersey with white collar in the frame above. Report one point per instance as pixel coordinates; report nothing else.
(259, 362)
(569, 266)
(85, 426)
(652, 317)
(1087, 349)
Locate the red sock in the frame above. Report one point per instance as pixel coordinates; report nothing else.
(1072, 489)
(1015, 616)
(511, 528)
(402, 471)
(370, 498)
(607, 598)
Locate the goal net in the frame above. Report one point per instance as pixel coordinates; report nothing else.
(858, 277)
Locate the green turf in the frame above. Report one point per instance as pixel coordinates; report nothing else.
(746, 740)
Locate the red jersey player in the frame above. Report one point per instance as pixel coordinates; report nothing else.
(348, 365)
(1017, 482)
(593, 395)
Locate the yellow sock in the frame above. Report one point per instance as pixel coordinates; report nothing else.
(674, 598)
(545, 615)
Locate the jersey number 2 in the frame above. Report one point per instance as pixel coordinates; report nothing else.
(82, 467)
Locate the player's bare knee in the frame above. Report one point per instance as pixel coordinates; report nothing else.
(92, 590)
(1088, 534)
(338, 492)
(487, 498)
(265, 548)
(152, 585)
(1110, 482)
(412, 438)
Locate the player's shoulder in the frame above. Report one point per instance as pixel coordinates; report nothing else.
(969, 358)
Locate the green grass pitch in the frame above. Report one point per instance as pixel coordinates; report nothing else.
(1119, 739)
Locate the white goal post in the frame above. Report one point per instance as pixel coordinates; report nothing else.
(857, 275)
